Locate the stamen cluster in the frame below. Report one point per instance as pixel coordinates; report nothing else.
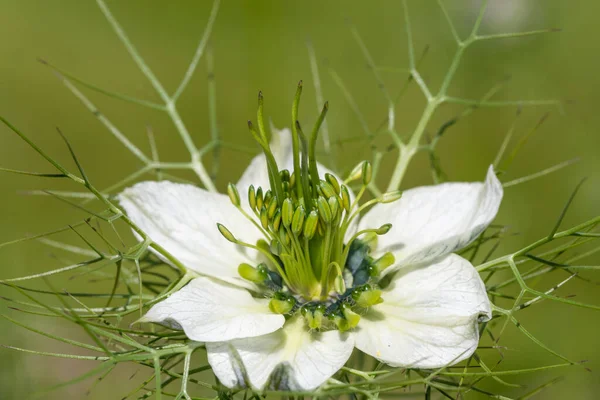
(312, 266)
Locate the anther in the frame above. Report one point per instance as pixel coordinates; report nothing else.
(275, 247)
(324, 210)
(256, 275)
(259, 198)
(334, 205)
(310, 226)
(366, 173)
(283, 236)
(226, 233)
(267, 199)
(276, 220)
(264, 219)
(233, 194)
(383, 229)
(346, 198)
(272, 207)
(298, 219)
(356, 173)
(332, 180)
(327, 189)
(287, 212)
(263, 245)
(252, 197)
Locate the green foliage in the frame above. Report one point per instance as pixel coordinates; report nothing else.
(138, 277)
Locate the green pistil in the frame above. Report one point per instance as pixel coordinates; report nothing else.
(295, 142)
(314, 172)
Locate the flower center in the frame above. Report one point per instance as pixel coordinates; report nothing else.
(314, 261)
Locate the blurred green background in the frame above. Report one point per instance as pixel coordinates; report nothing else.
(261, 45)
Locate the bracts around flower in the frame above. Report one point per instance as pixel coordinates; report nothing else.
(297, 275)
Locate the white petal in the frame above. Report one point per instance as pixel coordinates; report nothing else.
(209, 311)
(429, 315)
(182, 219)
(281, 145)
(430, 221)
(302, 360)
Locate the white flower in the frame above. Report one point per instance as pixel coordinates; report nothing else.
(294, 324)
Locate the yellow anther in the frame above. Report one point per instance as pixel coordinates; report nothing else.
(233, 194)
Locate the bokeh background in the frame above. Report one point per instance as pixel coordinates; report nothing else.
(262, 46)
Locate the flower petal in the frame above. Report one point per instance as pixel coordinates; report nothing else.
(431, 221)
(209, 311)
(291, 358)
(429, 315)
(281, 145)
(182, 219)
